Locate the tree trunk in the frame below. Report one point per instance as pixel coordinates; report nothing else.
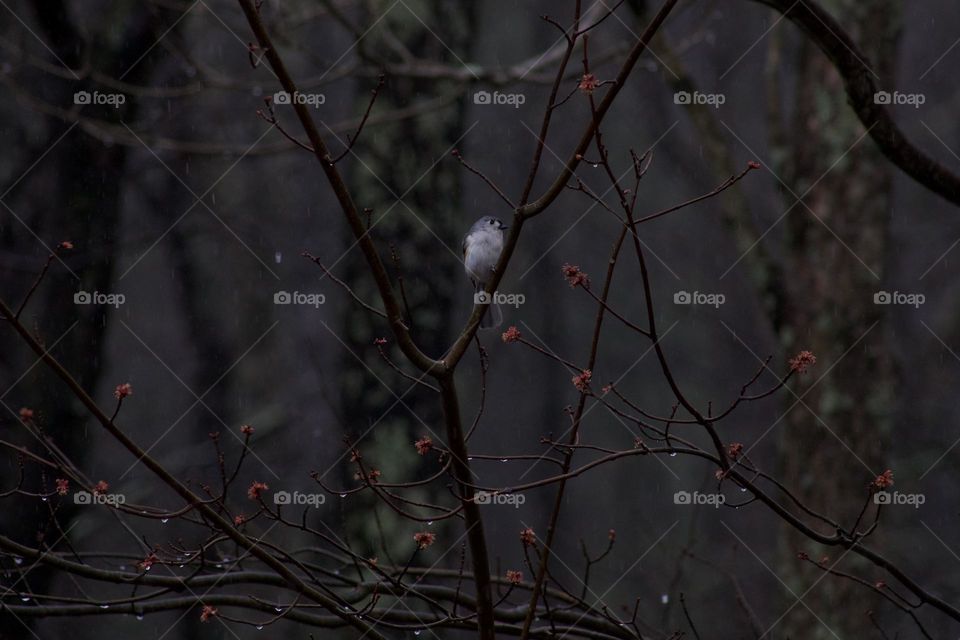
(831, 441)
(394, 158)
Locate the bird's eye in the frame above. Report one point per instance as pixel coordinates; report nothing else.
(491, 222)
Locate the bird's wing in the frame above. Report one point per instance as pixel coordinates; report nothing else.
(463, 247)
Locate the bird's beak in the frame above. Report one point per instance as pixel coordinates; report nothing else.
(503, 226)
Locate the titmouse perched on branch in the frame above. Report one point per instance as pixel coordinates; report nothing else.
(481, 250)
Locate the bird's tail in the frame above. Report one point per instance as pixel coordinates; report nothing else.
(493, 318)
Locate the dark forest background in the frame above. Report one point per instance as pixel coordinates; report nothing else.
(196, 211)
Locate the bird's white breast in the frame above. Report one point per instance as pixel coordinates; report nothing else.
(483, 250)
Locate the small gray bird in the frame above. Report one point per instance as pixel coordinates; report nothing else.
(481, 250)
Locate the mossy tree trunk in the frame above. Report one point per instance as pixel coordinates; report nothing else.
(832, 439)
(422, 231)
